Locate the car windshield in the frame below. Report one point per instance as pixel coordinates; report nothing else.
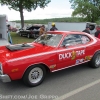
(49, 39)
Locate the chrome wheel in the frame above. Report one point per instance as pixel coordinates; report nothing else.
(97, 60)
(28, 35)
(35, 36)
(20, 34)
(35, 75)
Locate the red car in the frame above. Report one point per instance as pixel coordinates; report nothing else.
(50, 52)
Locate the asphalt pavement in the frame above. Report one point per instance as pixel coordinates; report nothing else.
(76, 83)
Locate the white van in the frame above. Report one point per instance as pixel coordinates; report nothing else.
(3, 31)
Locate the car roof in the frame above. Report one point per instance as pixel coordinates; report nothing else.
(33, 27)
(67, 32)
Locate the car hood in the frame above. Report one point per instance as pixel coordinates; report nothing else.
(19, 47)
(22, 50)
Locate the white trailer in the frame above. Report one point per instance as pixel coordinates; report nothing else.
(73, 26)
(3, 31)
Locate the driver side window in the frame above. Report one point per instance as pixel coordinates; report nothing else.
(72, 40)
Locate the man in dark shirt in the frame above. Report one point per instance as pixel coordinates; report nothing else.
(87, 30)
(97, 33)
(53, 27)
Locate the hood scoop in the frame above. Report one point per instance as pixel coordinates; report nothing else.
(19, 47)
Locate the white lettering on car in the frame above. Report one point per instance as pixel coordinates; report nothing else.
(72, 54)
(65, 55)
(81, 52)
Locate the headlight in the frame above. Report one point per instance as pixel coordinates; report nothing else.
(1, 70)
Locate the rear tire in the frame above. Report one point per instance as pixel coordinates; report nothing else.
(95, 61)
(34, 75)
(36, 36)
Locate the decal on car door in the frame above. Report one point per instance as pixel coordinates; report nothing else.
(72, 54)
(87, 58)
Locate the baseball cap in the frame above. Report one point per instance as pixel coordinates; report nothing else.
(53, 24)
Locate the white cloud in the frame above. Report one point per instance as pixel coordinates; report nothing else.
(48, 12)
(11, 14)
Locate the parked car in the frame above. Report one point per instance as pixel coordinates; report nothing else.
(18, 31)
(50, 52)
(30, 32)
(14, 30)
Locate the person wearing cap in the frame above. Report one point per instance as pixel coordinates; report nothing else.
(53, 27)
(97, 33)
(42, 30)
(87, 30)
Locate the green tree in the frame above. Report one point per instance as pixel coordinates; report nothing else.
(20, 5)
(88, 9)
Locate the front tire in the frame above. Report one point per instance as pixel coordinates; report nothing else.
(28, 35)
(34, 75)
(95, 61)
(20, 34)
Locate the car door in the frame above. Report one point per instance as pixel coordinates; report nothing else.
(71, 52)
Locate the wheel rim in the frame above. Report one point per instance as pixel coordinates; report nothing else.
(28, 35)
(34, 35)
(20, 34)
(35, 75)
(97, 61)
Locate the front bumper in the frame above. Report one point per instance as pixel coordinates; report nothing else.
(5, 78)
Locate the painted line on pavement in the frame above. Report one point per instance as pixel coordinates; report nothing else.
(67, 95)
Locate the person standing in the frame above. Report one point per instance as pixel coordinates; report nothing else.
(53, 27)
(9, 35)
(42, 30)
(97, 33)
(87, 30)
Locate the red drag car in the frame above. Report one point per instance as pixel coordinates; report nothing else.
(50, 52)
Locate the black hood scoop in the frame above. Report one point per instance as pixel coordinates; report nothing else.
(19, 47)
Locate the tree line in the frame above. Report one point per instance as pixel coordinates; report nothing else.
(65, 19)
(45, 21)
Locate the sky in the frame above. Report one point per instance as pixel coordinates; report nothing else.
(55, 9)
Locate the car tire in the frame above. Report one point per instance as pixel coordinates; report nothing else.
(35, 36)
(28, 35)
(34, 75)
(20, 34)
(95, 61)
